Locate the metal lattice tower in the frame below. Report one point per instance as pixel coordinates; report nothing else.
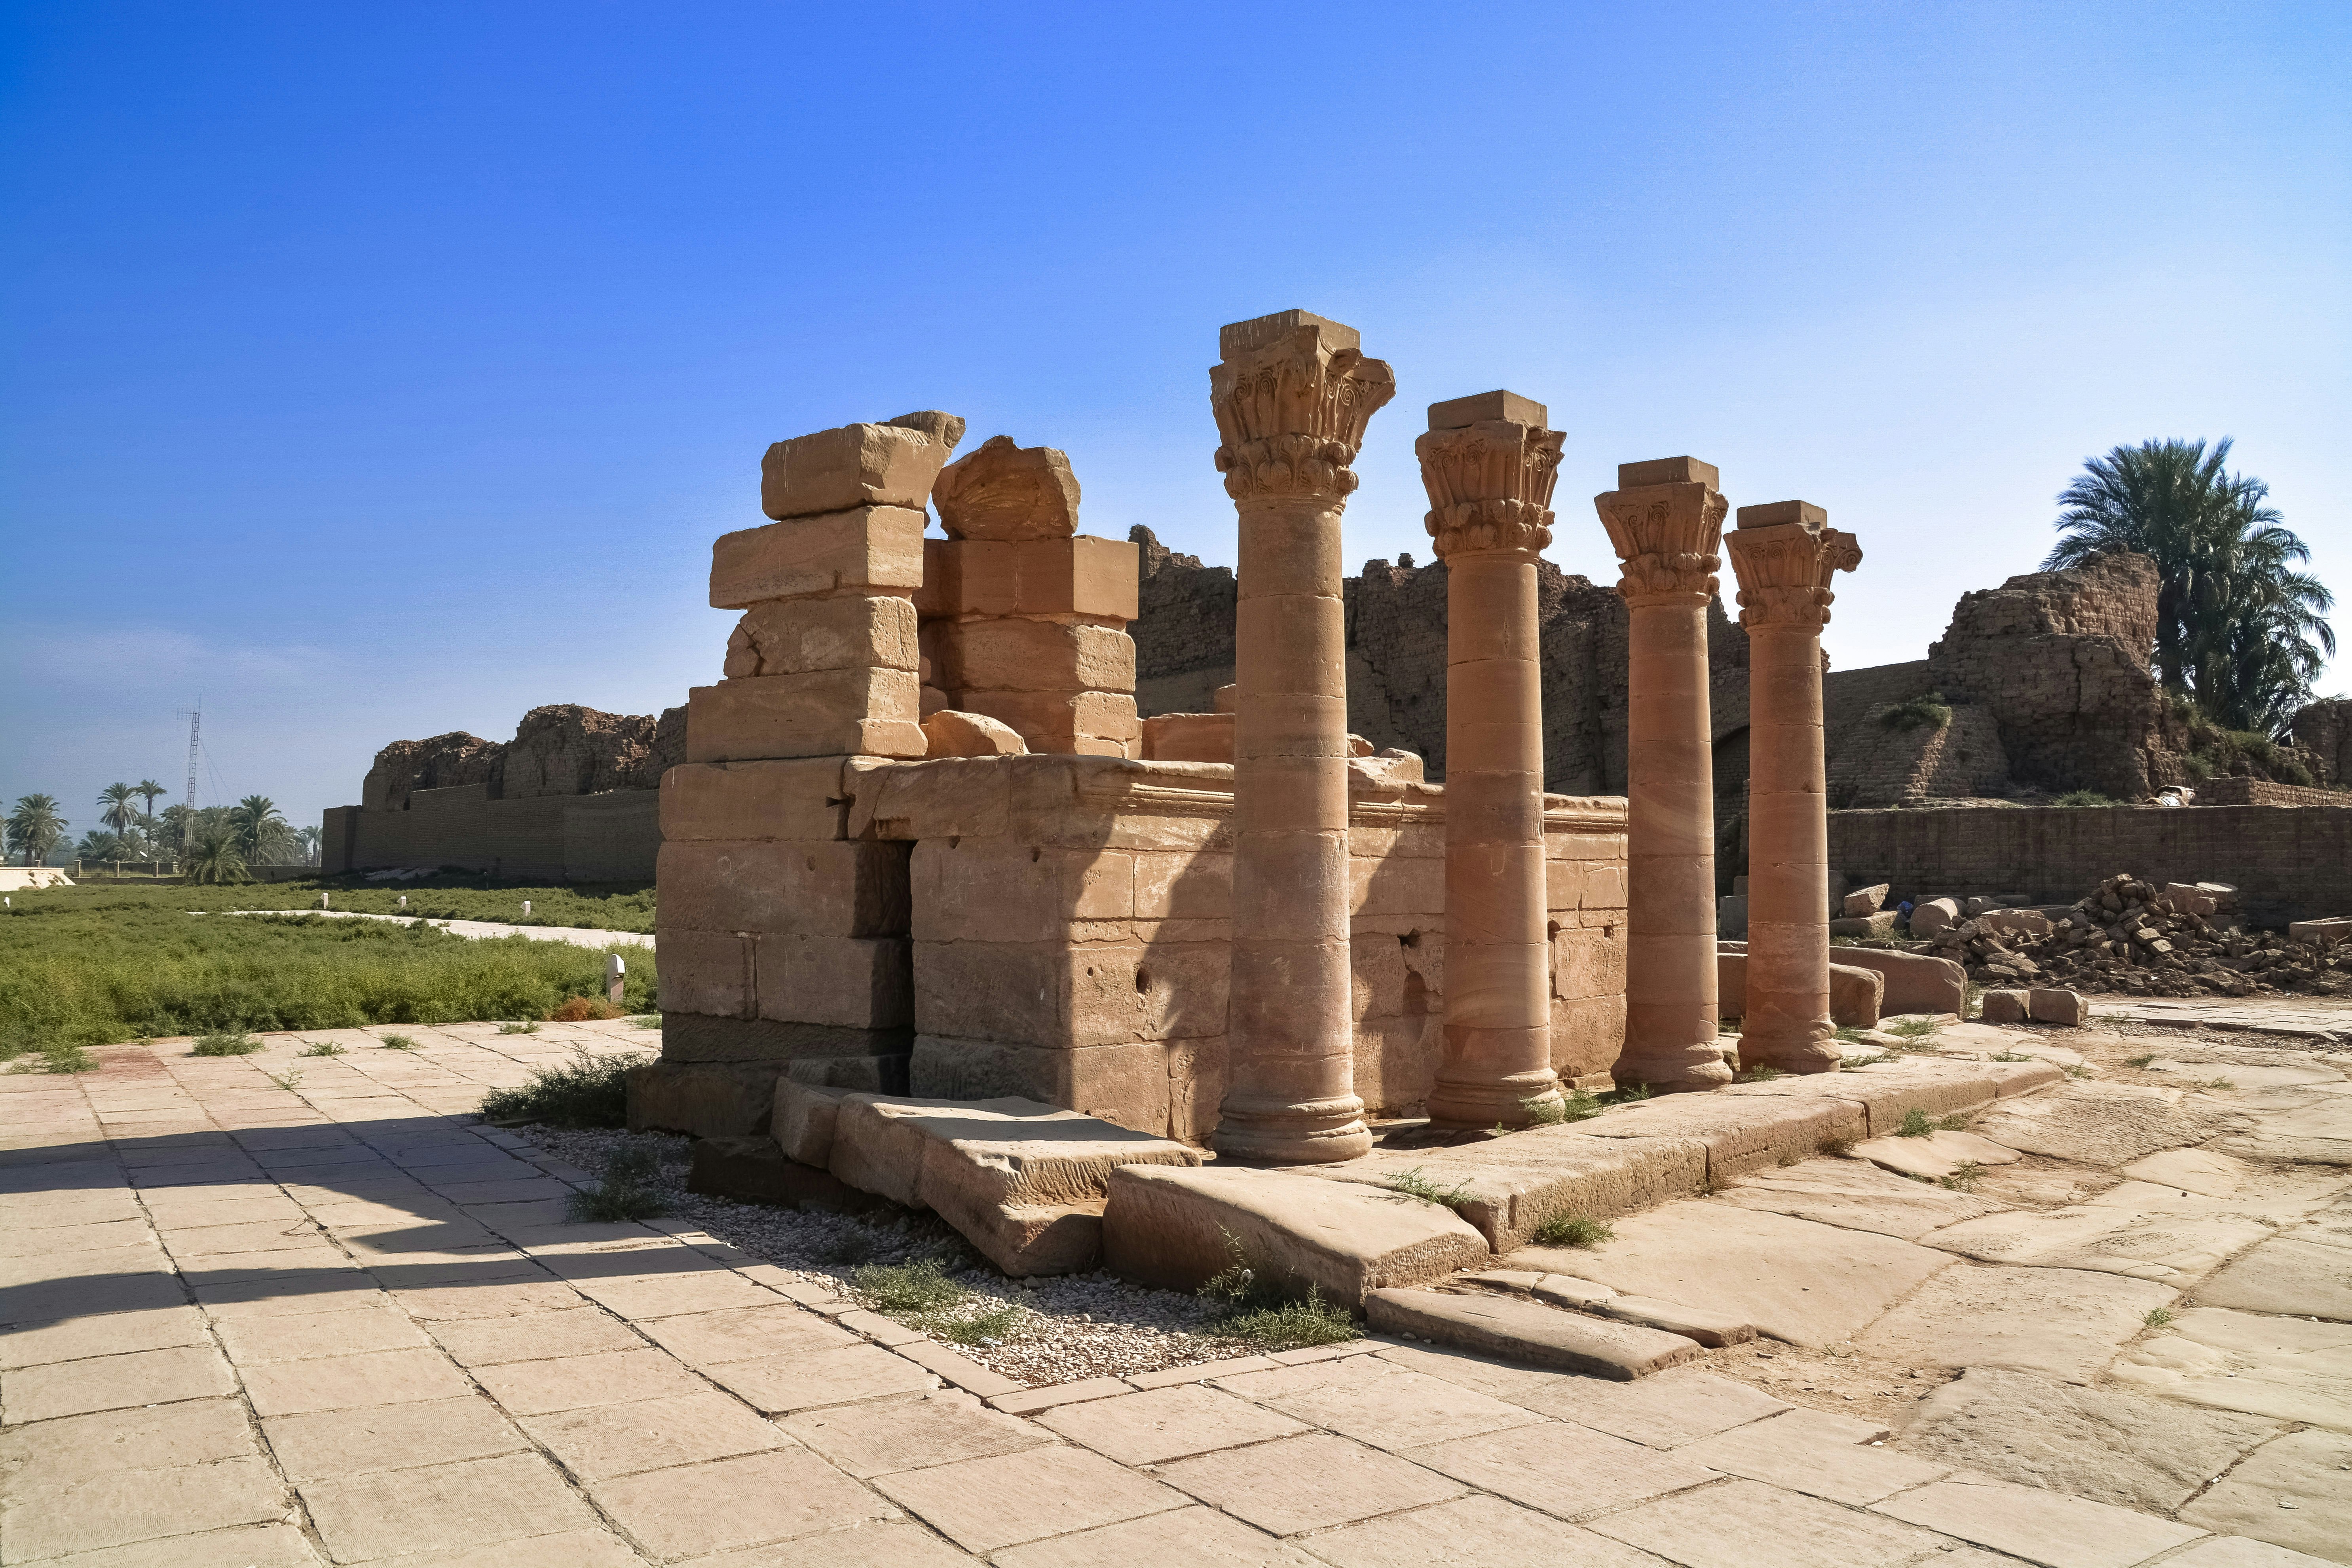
(195, 718)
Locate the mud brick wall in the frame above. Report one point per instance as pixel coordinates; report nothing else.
(2262, 792)
(2289, 863)
(2323, 732)
(609, 837)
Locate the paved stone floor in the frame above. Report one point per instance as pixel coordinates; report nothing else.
(253, 1318)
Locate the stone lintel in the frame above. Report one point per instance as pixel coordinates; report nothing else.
(1243, 337)
(1771, 513)
(1454, 414)
(1668, 471)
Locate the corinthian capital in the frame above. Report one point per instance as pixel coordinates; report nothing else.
(1488, 465)
(1665, 521)
(1785, 555)
(1292, 397)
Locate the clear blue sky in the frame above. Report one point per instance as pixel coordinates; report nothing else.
(380, 371)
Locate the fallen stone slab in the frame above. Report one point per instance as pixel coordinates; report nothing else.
(1938, 1154)
(1511, 1185)
(1854, 1194)
(1807, 1283)
(1740, 1133)
(2282, 1367)
(2106, 1124)
(2108, 1445)
(1527, 1332)
(1864, 901)
(1916, 981)
(2005, 1007)
(1714, 1330)
(2067, 1323)
(2051, 1004)
(1857, 995)
(1176, 1227)
(2010, 1079)
(1865, 928)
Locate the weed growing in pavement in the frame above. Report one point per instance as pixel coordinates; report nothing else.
(1840, 1147)
(323, 1048)
(907, 1289)
(1917, 1123)
(1579, 1105)
(398, 1043)
(235, 1044)
(1573, 1230)
(1963, 1178)
(1413, 1184)
(1544, 1112)
(2075, 1069)
(631, 1190)
(56, 1057)
(1850, 1033)
(1955, 1123)
(2158, 1317)
(1759, 1075)
(587, 1092)
(1626, 1094)
(518, 1028)
(1919, 1028)
(649, 1021)
(2218, 1083)
(1257, 1309)
(2129, 1062)
(289, 1081)
(2009, 1056)
(1848, 1064)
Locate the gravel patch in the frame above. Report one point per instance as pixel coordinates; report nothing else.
(1041, 1331)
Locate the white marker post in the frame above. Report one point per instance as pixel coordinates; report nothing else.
(614, 970)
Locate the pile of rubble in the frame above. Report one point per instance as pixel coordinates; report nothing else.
(2180, 939)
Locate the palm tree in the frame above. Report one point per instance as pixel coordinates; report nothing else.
(147, 790)
(260, 829)
(35, 827)
(311, 838)
(117, 799)
(214, 857)
(2226, 580)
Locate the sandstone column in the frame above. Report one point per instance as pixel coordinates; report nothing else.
(1292, 398)
(1785, 555)
(1665, 520)
(1489, 464)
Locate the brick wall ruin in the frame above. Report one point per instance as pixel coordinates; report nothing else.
(2323, 739)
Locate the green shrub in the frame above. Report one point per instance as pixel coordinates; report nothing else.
(1573, 1230)
(1578, 1105)
(587, 1092)
(984, 1326)
(518, 1028)
(631, 1190)
(1917, 1123)
(1255, 1307)
(233, 1044)
(1544, 1112)
(907, 1289)
(1927, 711)
(2083, 797)
(323, 1048)
(1760, 1074)
(1416, 1184)
(398, 1043)
(57, 1058)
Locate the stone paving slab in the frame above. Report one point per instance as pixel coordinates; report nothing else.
(436, 1398)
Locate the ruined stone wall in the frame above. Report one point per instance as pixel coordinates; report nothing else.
(2061, 659)
(562, 749)
(2323, 739)
(2237, 790)
(1183, 628)
(2288, 863)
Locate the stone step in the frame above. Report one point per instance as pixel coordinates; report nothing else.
(1527, 1332)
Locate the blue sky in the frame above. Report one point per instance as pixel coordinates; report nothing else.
(375, 371)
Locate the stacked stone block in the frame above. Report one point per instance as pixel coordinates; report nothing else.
(1025, 619)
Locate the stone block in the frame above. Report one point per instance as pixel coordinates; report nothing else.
(800, 798)
(802, 1116)
(754, 1170)
(1055, 993)
(1000, 890)
(1888, 1091)
(1865, 928)
(1009, 654)
(1741, 1133)
(1002, 492)
(2334, 929)
(874, 550)
(858, 1058)
(703, 1100)
(1189, 738)
(1857, 997)
(1511, 1185)
(800, 636)
(852, 466)
(2014, 922)
(1531, 1333)
(1731, 915)
(1098, 723)
(868, 713)
(1087, 578)
(2051, 1005)
(822, 888)
(1170, 1227)
(2006, 1007)
(1864, 902)
(1128, 1085)
(706, 972)
(950, 733)
(866, 983)
(1932, 915)
(1916, 982)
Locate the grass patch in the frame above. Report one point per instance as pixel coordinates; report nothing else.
(2129, 1062)
(525, 1028)
(1628, 1094)
(587, 1092)
(56, 1057)
(1917, 1123)
(984, 1327)
(1847, 1064)
(1760, 1074)
(648, 1021)
(323, 1048)
(1573, 1230)
(2075, 1069)
(907, 1289)
(231, 1044)
(1955, 1123)
(1850, 1033)
(1579, 1105)
(2217, 1083)
(93, 966)
(2013, 1057)
(289, 1081)
(2158, 1318)
(398, 1043)
(631, 1190)
(1293, 1325)
(1416, 1184)
(1544, 1112)
(1928, 710)
(2082, 797)
(1914, 1028)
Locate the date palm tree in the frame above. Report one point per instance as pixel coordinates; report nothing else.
(147, 790)
(2238, 627)
(214, 856)
(116, 799)
(260, 829)
(35, 827)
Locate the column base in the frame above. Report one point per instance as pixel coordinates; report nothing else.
(1671, 1069)
(1317, 1133)
(1801, 1050)
(1478, 1104)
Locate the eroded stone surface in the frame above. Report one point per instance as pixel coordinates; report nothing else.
(2065, 1322)
(2104, 1124)
(2293, 1492)
(1856, 1196)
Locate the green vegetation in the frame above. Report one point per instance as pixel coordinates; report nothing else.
(1920, 1029)
(2217, 1083)
(398, 1043)
(1917, 1123)
(92, 966)
(1626, 1094)
(2238, 629)
(2075, 1069)
(2083, 797)
(2139, 1061)
(2009, 1056)
(1573, 1230)
(323, 1048)
(57, 1059)
(2158, 1318)
(922, 1296)
(1848, 1064)
(1415, 1183)
(1760, 1074)
(631, 1190)
(231, 1043)
(1258, 1311)
(587, 1092)
(1928, 710)
(1839, 1147)
(289, 1081)
(35, 827)
(518, 1028)
(1963, 1178)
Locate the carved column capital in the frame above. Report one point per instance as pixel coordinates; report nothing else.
(1785, 556)
(1489, 480)
(1292, 396)
(1668, 535)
